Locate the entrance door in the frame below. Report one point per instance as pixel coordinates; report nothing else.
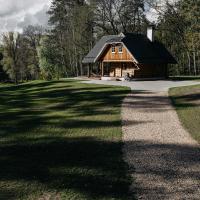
(118, 69)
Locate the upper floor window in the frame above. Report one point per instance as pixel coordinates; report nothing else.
(113, 49)
(120, 49)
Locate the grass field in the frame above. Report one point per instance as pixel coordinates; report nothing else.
(187, 103)
(62, 140)
(185, 78)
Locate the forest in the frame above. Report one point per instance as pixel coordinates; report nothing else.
(75, 26)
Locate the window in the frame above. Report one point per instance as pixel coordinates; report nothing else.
(120, 49)
(113, 49)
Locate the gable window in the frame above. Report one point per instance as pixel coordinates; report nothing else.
(120, 49)
(113, 49)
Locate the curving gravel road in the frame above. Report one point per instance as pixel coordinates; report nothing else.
(164, 160)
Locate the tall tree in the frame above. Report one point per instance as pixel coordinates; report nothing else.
(50, 65)
(3, 75)
(72, 31)
(32, 36)
(11, 59)
(178, 28)
(115, 16)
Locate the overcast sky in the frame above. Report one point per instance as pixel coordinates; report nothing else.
(16, 14)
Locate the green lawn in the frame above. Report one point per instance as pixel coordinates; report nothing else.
(187, 103)
(62, 140)
(185, 78)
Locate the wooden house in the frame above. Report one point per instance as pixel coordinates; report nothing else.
(134, 54)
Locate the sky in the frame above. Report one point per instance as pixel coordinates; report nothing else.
(17, 14)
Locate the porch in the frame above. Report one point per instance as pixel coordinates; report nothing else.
(112, 70)
(105, 70)
(117, 69)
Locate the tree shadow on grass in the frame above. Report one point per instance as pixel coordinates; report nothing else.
(92, 167)
(95, 169)
(188, 100)
(21, 111)
(34, 149)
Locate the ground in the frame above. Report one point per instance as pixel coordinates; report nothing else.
(148, 85)
(62, 140)
(163, 158)
(187, 103)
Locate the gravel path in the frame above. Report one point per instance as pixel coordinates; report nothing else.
(156, 85)
(163, 159)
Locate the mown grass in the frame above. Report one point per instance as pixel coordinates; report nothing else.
(185, 78)
(62, 140)
(187, 103)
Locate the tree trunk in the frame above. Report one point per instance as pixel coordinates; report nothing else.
(189, 63)
(194, 63)
(81, 66)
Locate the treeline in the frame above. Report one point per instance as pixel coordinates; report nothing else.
(75, 26)
(179, 29)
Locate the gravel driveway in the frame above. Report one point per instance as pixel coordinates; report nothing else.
(156, 85)
(164, 160)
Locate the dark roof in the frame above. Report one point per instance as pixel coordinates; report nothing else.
(143, 50)
(92, 55)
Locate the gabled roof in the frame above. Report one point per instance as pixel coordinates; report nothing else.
(98, 48)
(141, 48)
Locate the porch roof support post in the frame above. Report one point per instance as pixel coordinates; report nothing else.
(121, 68)
(102, 69)
(89, 66)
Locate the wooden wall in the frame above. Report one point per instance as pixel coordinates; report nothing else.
(120, 69)
(109, 56)
(151, 71)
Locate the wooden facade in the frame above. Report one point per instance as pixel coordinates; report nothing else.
(117, 56)
(116, 61)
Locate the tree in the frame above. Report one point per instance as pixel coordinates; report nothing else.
(178, 28)
(3, 75)
(32, 36)
(72, 30)
(190, 10)
(11, 59)
(115, 16)
(49, 63)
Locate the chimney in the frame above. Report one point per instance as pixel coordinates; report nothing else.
(150, 33)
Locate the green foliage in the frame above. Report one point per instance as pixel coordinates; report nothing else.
(49, 63)
(3, 75)
(178, 29)
(20, 58)
(11, 60)
(71, 34)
